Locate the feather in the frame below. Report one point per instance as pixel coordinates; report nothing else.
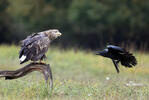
(22, 58)
(114, 49)
(128, 60)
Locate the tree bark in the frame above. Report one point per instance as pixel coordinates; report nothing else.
(41, 67)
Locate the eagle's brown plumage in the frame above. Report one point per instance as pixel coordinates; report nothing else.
(36, 45)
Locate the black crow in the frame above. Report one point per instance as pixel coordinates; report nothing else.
(118, 54)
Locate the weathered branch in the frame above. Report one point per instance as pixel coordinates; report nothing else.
(43, 68)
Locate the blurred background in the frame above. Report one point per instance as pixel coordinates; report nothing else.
(88, 24)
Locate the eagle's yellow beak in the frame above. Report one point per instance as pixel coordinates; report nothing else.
(58, 34)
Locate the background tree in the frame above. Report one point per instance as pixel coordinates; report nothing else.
(84, 23)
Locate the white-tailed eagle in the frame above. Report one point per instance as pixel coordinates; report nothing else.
(36, 45)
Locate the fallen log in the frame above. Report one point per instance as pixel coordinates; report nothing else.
(41, 67)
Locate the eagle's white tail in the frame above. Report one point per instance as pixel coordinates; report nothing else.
(22, 58)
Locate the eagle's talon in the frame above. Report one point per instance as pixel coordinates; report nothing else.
(41, 62)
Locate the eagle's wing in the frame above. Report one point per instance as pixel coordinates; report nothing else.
(28, 41)
(34, 47)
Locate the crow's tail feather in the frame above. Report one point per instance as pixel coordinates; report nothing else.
(128, 60)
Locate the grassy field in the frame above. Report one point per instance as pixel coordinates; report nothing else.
(78, 75)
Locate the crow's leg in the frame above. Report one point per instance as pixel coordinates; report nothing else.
(117, 62)
(116, 65)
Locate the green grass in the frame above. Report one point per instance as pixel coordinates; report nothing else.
(77, 75)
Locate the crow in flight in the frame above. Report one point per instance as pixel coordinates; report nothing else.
(118, 54)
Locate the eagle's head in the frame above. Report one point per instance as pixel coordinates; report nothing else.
(53, 33)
